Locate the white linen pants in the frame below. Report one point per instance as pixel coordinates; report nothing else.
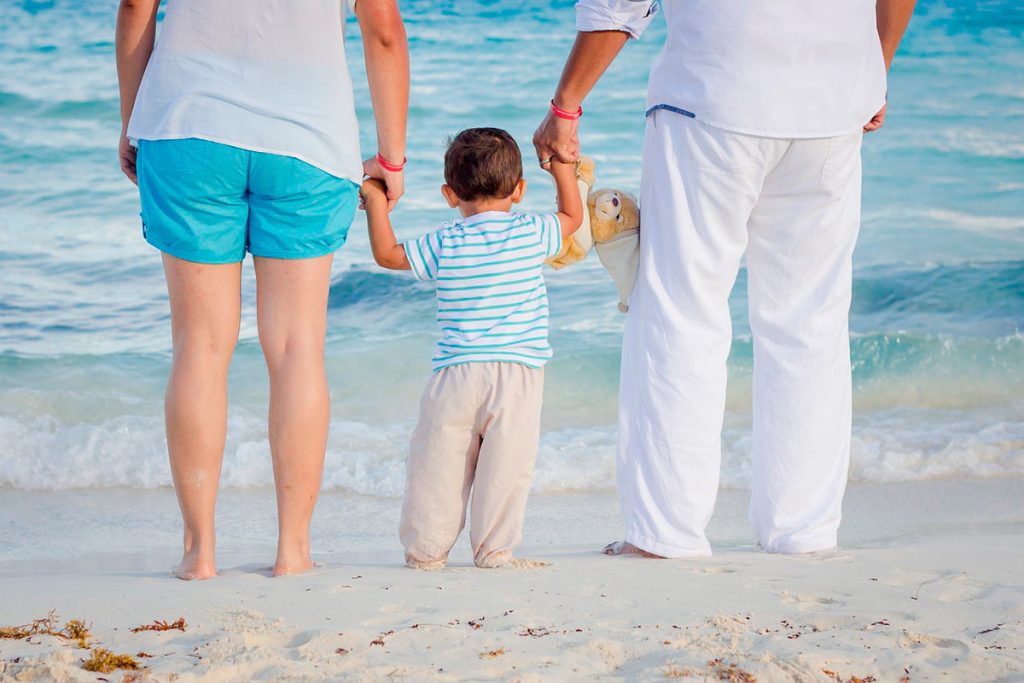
(793, 206)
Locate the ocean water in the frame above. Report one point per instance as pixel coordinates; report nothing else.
(938, 311)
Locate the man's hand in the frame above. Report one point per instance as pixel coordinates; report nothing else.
(591, 54)
(877, 121)
(557, 138)
(127, 154)
(393, 181)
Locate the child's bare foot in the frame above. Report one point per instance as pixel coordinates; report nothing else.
(516, 563)
(626, 548)
(504, 559)
(427, 565)
(195, 568)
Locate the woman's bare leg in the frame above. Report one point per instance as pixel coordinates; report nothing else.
(205, 311)
(292, 311)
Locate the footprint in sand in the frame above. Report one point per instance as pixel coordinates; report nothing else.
(714, 570)
(806, 602)
(962, 588)
(916, 641)
(303, 638)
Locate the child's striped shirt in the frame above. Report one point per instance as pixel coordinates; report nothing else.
(491, 301)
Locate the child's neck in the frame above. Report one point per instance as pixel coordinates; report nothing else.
(472, 208)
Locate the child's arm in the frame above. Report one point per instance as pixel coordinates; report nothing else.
(387, 252)
(570, 205)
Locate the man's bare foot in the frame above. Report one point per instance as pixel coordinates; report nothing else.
(195, 568)
(626, 548)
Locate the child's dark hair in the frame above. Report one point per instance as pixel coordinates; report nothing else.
(482, 163)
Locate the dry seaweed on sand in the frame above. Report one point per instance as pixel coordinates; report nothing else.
(491, 654)
(161, 625)
(536, 632)
(672, 671)
(729, 672)
(74, 630)
(855, 679)
(104, 661)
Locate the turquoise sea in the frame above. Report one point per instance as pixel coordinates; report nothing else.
(938, 311)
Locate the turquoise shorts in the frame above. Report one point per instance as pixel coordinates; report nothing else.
(210, 203)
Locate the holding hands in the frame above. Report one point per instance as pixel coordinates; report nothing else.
(558, 136)
(391, 177)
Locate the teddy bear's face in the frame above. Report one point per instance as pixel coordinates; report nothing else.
(612, 212)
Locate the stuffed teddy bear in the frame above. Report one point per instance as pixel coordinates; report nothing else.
(611, 226)
(615, 225)
(576, 246)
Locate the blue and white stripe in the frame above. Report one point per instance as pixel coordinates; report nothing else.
(492, 304)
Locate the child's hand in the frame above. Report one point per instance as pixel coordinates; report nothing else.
(557, 168)
(373, 191)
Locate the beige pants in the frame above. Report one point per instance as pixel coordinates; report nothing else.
(478, 429)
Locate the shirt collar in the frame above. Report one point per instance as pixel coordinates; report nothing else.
(485, 216)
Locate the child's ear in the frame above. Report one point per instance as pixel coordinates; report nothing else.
(519, 192)
(449, 196)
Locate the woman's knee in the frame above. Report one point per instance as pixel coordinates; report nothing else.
(204, 347)
(292, 351)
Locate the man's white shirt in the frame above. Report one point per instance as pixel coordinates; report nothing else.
(783, 69)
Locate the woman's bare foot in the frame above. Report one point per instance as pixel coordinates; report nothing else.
(195, 568)
(293, 563)
(626, 548)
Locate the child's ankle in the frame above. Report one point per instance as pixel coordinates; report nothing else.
(426, 565)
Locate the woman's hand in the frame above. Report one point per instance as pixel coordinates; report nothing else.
(557, 138)
(394, 181)
(877, 121)
(127, 154)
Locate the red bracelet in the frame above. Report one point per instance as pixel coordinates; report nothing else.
(388, 166)
(563, 114)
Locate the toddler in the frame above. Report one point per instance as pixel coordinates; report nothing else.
(479, 419)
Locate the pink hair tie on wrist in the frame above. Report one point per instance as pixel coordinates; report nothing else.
(563, 114)
(388, 166)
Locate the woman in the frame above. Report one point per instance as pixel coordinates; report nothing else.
(239, 128)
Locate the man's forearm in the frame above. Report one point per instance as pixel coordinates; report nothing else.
(592, 54)
(892, 17)
(134, 39)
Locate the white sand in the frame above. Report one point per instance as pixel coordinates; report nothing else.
(929, 585)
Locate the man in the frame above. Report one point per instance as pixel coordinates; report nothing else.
(755, 116)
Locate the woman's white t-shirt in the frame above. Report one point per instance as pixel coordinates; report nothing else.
(264, 75)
